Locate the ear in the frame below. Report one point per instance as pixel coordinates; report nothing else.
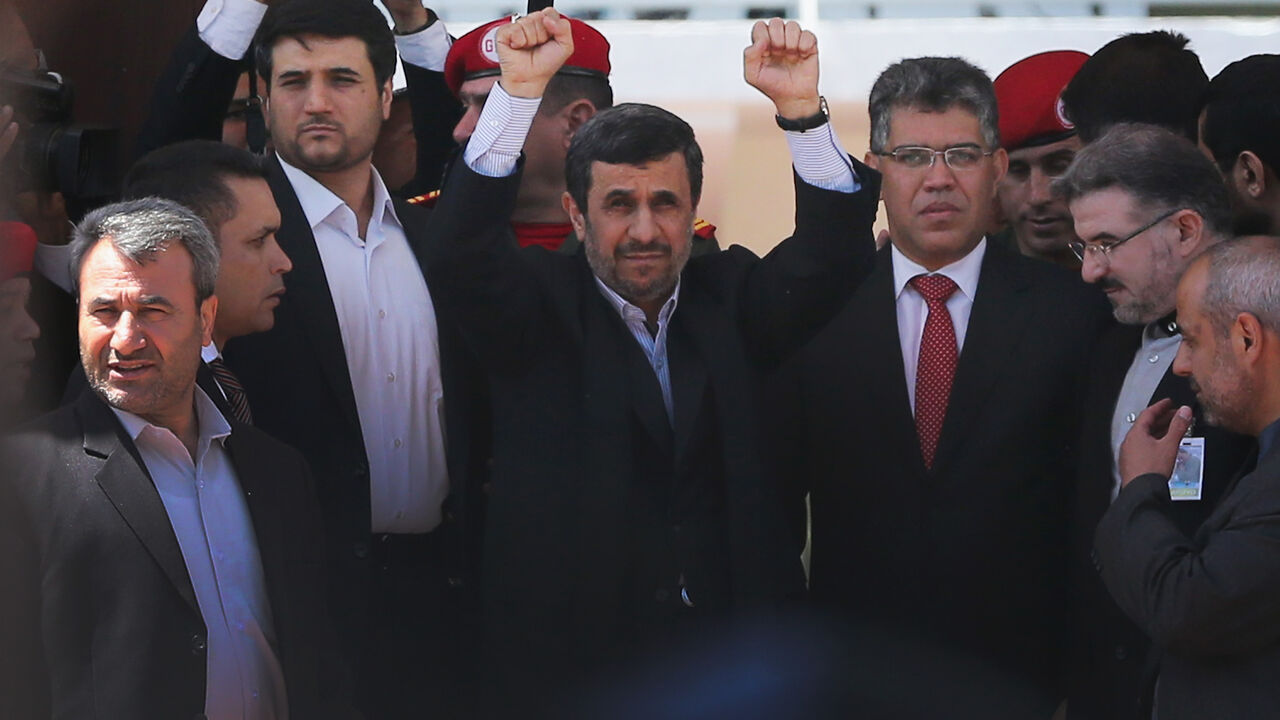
(1001, 159)
(872, 160)
(387, 90)
(1190, 233)
(1249, 175)
(576, 216)
(1247, 339)
(576, 114)
(208, 313)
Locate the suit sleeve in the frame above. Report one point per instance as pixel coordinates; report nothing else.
(1214, 596)
(475, 271)
(24, 679)
(191, 97)
(795, 289)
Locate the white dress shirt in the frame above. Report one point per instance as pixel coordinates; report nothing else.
(654, 345)
(912, 309)
(207, 509)
(389, 333)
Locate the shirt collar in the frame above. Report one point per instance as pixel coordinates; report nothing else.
(210, 352)
(964, 272)
(318, 202)
(212, 425)
(629, 311)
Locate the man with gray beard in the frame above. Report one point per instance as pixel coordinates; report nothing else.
(1146, 203)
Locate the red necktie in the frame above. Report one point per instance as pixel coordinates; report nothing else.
(937, 366)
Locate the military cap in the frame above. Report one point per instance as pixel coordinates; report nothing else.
(17, 249)
(475, 54)
(1029, 94)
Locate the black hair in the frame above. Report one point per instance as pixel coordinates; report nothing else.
(565, 88)
(1151, 78)
(331, 19)
(194, 174)
(933, 84)
(1242, 111)
(630, 134)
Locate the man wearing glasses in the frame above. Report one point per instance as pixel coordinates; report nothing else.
(935, 416)
(1146, 204)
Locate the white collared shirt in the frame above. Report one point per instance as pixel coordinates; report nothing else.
(655, 345)
(913, 311)
(210, 518)
(389, 333)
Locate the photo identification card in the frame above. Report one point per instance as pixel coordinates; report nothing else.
(1187, 482)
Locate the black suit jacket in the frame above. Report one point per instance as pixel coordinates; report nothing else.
(969, 556)
(297, 380)
(1112, 669)
(599, 503)
(1208, 599)
(100, 609)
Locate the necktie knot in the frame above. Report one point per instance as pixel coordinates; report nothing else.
(934, 288)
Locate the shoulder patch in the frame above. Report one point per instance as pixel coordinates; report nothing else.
(703, 229)
(428, 199)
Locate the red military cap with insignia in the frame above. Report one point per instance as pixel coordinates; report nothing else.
(1029, 94)
(17, 249)
(476, 54)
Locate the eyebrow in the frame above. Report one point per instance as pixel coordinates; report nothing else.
(100, 302)
(473, 98)
(339, 70)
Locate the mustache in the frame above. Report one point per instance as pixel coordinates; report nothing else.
(321, 120)
(1108, 283)
(634, 246)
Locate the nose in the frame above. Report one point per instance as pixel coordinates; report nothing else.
(27, 330)
(466, 125)
(1094, 267)
(939, 175)
(127, 337)
(1181, 362)
(1040, 191)
(280, 262)
(317, 102)
(644, 225)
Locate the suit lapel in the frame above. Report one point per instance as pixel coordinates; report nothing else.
(995, 327)
(255, 472)
(878, 329)
(691, 336)
(124, 479)
(308, 296)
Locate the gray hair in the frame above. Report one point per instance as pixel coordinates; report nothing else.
(1243, 276)
(1159, 168)
(933, 84)
(138, 229)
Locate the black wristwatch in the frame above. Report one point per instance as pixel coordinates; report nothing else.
(816, 120)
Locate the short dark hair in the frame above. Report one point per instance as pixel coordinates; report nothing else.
(630, 134)
(1242, 111)
(565, 88)
(933, 84)
(1158, 167)
(139, 229)
(194, 173)
(1151, 78)
(331, 19)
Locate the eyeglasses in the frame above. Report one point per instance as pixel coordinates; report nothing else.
(1103, 250)
(963, 157)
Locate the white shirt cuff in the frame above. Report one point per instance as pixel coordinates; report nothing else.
(426, 48)
(54, 262)
(821, 161)
(228, 26)
(500, 133)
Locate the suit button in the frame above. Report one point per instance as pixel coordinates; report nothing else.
(360, 550)
(1122, 653)
(362, 471)
(455, 582)
(661, 595)
(198, 644)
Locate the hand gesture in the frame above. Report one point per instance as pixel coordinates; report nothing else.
(782, 63)
(531, 50)
(1152, 443)
(408, 15)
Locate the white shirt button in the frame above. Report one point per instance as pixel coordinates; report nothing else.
(1130, 417)
(1153, 359)
(382, 314)
(398, 442)
(391, 377)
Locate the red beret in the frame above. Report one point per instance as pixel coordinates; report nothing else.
(1029, 94)
(17, 249)
(476, 55)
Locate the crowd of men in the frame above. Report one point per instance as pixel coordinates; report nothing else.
(449, 404)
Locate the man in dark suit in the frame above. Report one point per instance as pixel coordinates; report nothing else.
(1238, 116)
(655, 522)
(166, 560)
(947, 529)
(1146, 204)
(1207, 598)
(359, 372)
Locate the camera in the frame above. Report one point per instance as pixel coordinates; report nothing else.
(51, 154)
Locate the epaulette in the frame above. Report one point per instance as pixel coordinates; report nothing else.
(426, 199)
(702, 229)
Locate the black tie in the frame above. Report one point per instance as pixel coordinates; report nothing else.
(234, 391)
